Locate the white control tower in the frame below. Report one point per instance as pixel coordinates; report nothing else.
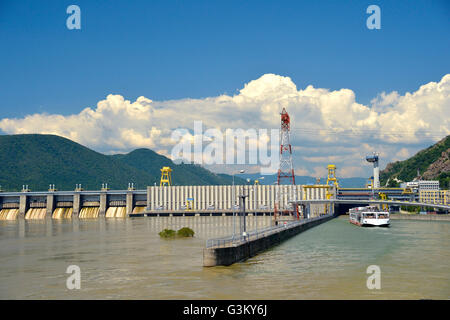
(376, 169)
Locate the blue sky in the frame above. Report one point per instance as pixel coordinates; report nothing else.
(174, 50)
(178, 49)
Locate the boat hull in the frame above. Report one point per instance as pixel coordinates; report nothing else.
(375, 223)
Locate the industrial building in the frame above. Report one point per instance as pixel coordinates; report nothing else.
(223, 197)
(423, 185)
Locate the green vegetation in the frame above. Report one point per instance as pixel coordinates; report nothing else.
(167, 233)
(412, 209)
(182, 174)
(182, 233)
(185, 232)
(407, 170)
(444, 180)
(393, 184)
(39, 160)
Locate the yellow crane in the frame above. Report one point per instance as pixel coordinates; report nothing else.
(332, 175)
(166, 177)
(383, 196)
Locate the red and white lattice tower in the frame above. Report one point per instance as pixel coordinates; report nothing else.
(286, 168)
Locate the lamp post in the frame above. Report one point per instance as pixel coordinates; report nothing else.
(243, 228)
(255, 200)
(277, 203)
(233, 204)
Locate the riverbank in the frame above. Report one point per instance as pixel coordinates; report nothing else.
(423, 217)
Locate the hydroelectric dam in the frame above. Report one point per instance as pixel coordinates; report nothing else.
(159, 200)
(314, 204)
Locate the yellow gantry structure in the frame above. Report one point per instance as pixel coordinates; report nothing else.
(332, 175)
(407, 191)
(327, 187)
(190, 204)
(328, 194)
(166, 177)
(383, 196)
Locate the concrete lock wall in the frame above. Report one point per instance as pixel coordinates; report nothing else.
(228, 255)
(223, 197)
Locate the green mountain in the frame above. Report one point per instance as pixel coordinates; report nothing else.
(182, 174)
(433, 163)
(39, 160)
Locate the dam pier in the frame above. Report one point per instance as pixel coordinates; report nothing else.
(229, 250)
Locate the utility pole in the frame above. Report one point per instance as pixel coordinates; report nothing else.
(256, 196)
(233, 203)
(243, 227)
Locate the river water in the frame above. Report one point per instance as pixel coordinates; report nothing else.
(126, 259)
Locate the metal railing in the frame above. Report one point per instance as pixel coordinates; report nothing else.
(235, 240)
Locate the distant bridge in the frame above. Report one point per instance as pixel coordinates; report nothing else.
(362, 201)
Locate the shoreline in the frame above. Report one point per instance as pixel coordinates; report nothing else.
(422, 217)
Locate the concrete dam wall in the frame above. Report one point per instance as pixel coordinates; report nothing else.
(153, 200)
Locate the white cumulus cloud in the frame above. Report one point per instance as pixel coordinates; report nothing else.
(327, 125)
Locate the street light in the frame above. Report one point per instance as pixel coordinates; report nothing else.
(277, 200)
(233, 204)
(254, 195)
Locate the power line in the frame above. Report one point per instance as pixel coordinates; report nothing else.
(378, 132)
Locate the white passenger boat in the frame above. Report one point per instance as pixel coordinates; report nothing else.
(369, 216)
